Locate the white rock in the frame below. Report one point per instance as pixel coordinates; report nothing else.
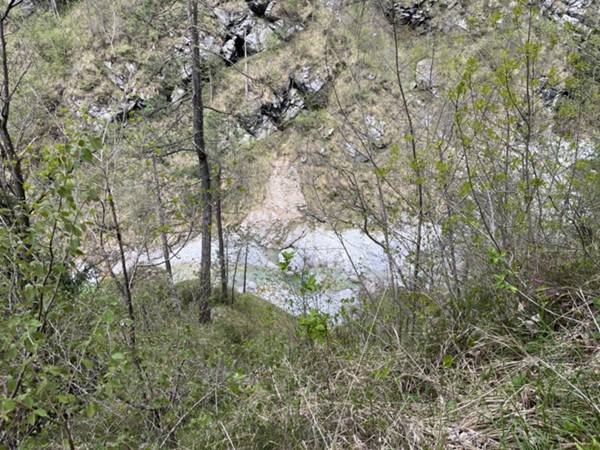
(425, 75)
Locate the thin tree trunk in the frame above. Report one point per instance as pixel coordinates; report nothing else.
(417, 169)
(203, 165)
(162, 222)
(9, 155)
(54, 7)
(126, 287)
(245, 269)
(219, 217)
(237, 260)
(14, 195)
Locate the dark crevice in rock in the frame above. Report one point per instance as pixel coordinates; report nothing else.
(416, 15)
(133, 103)
(235, 49)
(258, 8)
(549, 93)
(285, 107)
(305, 90)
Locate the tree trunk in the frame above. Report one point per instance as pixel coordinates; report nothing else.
(126, 287)
(10, 160)
(54, 7)
(235, 268)
(162, 222)
(245, 269)
(219, 217)
(203, 165)
(13, 198)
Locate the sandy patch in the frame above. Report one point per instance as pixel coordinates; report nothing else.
(282, 205)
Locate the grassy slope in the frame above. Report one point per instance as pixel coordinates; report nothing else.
(252, 379)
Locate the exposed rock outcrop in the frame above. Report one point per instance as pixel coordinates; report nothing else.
(306, 89)
(425, 15)
(122, 113)
(416, 15)
(548, 92)
(582, 14)
(251, 30)
(263, 8)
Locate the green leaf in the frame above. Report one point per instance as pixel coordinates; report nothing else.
(96, 143)
(382, 374)
(66, 398)
(8, 405)
(29, 292)
(90, 410)
(88, 364)
(287, 259)
(27, 401)
(40, 412)
(118, 356)
(34, 324)
(448, 361)
(108, 316)
(86, 154)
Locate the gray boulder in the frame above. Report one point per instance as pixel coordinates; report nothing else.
(425, 78)
(375, 132)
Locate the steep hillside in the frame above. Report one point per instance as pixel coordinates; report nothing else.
(298, 90)
(403, 198)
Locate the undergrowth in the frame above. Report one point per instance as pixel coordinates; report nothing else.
(258, 378)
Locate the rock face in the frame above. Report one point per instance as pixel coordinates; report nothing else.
(356, 155)
(208, 45)
(251, 30)
(244, 34)
(425, 15)
(240, 30)
(445, 15)
(308, 80)
(312, 85)
(129, 100)
(581, 13)
(306, 89)
(257, 125)
(285, 106)
(375, 132)
(119, 114)
(416, 15)
(263, 8)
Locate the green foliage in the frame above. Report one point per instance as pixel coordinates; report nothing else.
(454, 364)
(287, 256)
(33, 292)
(54, 40)
(315, 325)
